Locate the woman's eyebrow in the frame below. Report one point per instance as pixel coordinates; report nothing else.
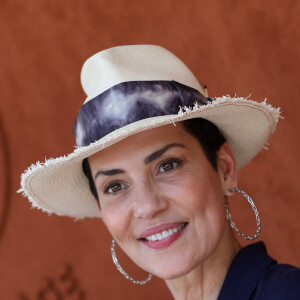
(147, 160)
(160, 152)
(109, 172)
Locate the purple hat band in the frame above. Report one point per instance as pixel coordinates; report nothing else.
(129, 102)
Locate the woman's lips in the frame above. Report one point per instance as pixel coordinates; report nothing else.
(165, 241)
(160, 228)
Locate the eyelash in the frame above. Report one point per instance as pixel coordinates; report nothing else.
(111, 185)
(172, 161)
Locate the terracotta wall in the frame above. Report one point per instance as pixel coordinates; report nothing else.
(235, 47)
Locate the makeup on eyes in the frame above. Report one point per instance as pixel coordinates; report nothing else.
(116, 186)
(170, 162)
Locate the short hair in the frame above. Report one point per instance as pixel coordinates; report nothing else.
(207, 134)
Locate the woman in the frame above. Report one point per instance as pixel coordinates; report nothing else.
(157, 160)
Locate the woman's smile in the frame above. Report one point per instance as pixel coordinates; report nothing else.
(162, 236)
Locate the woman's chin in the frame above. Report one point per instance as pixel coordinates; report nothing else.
(170, 272)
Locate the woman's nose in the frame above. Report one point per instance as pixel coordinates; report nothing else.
(148, 202)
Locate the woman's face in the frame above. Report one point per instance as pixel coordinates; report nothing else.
(161, 199)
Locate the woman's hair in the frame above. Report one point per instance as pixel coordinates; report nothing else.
(207, 134)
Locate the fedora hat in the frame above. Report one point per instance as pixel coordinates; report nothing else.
(131, 89)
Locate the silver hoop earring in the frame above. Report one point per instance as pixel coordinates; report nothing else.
(115, 260)
(247, 237)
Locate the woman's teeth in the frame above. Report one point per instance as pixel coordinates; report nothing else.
(164, 234)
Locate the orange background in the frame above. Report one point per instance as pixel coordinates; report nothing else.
(234, 47)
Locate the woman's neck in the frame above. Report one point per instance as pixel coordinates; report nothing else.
(206, 280)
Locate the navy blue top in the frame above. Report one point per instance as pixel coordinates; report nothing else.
(253, 275)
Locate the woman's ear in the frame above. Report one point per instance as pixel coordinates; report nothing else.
(227, 169)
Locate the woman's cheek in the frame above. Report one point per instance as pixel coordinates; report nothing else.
(116, 215)
(187, 188)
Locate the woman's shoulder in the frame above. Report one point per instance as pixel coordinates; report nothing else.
(254, 275)
(279, 281)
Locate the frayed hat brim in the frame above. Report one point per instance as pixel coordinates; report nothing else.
(59, 185)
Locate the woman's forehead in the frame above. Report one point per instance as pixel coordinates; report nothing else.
(144, 143)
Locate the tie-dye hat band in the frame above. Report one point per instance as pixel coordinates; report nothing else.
(129, 102)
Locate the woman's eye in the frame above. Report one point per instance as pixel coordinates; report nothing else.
(168, 166)
(114, 188)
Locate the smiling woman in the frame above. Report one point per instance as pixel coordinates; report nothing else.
(167, 183)
(157, 161)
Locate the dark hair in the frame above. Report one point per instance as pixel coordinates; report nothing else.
(207, 134)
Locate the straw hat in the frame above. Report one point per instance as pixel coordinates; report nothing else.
(131, 89)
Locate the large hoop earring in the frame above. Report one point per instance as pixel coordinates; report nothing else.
(115, 260)
(247, 237)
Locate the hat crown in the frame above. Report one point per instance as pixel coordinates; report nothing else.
(110, 67)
